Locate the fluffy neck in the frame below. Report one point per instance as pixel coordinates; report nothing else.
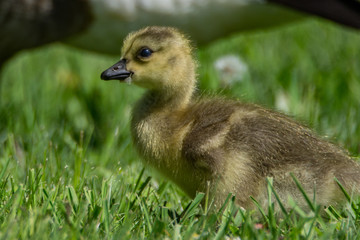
(168, 99)
(153, 121)
(174, 96)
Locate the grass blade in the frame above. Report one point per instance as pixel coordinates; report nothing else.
(227, 216)
(141, 189)
(4, 169)
(260, 209)
(190, 211)
(74, 201)
(277, 198)
(146, 214)
(307, 199)
(353, 205)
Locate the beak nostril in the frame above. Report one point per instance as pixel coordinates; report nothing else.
(117, 71)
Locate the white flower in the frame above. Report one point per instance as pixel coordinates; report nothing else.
(231, 69)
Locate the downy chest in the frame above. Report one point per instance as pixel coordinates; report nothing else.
(151, 138)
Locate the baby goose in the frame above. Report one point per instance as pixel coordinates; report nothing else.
(223, 145)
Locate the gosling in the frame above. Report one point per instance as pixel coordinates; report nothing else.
(218, 145)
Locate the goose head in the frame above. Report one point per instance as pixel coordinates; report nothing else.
(156, 58)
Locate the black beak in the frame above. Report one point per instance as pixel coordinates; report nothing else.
(116, 72)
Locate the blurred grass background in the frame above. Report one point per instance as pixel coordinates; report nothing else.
(63, 129)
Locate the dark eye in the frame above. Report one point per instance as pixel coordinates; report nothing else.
(145, 52)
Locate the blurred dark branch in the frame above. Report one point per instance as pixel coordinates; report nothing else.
(346, 12)
(30, 23)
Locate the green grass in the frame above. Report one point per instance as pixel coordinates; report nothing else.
(68, 168)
